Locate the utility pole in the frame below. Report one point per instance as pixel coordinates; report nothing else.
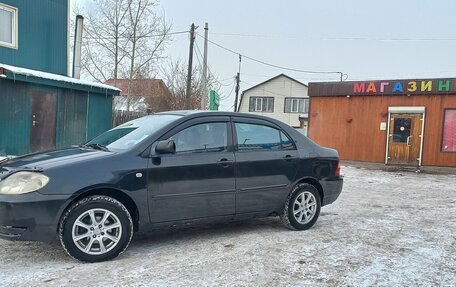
(204, 100)
(190, 67)
(238, 81)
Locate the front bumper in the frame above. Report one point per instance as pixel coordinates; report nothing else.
(331, 189)
(30, 217)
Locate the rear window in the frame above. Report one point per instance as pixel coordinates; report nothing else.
(260, 137)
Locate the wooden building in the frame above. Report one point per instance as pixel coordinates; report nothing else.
(146, 95)
(400, 122)
(35, 35)
(41, 107)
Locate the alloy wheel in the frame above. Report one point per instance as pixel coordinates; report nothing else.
(96, 231)
(304, 207)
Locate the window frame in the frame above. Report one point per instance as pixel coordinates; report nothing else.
(443, 130)
(265, 124)
(201, 150)
(14, 27)
(405, 122)
(180, 126)
(297, 105)
(262, 99)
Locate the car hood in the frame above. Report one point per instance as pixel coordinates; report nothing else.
(55, 158)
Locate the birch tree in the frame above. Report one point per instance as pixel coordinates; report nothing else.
(123, 39)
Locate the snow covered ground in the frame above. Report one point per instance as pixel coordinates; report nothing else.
(386, 229)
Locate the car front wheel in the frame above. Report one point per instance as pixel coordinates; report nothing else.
(302, 207)
(96, 228)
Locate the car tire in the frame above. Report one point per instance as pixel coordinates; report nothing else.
(96, 228)
(302, 207)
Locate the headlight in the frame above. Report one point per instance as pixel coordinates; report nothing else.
(23, 182)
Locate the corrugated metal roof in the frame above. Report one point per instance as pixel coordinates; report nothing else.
(56, 78)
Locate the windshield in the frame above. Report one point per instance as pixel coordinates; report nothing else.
(128, 135)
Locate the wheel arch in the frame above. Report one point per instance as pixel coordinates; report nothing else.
(315, 183)
(119, 195)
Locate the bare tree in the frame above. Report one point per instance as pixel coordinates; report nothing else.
(123, 39)
(175, 77)
(105, 38)
(141, 51)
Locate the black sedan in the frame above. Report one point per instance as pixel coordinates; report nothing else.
(164, 169)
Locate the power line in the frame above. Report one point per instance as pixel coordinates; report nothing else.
(307, 78)
(334, 38)
(199, 62)
(127, 37)
(381, 39)
(222, 98)
(269, 64)
(209, 69)
(230, 78)
(229, 94)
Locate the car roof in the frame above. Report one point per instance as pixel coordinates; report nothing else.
(215, 113)
(189, 114)
(301, 140)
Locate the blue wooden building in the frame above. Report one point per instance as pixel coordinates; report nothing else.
(40, 106)
(35, 34)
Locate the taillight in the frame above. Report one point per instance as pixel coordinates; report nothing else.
(337, 173)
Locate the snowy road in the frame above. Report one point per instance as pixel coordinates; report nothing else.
(386, 229)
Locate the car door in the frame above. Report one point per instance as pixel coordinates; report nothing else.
(266, 165)
(197, 180)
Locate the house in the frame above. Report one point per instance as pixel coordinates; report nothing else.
(35, 35)
(41, 107)
(143, 95)
(281, 97)
(407, 122)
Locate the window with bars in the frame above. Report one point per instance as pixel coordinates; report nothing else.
(261, 104)
(8, 26)
(296, 105)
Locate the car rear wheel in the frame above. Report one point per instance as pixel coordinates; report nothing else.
(96, 228)
(302, 207)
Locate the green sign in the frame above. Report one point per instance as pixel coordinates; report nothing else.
(214, 101)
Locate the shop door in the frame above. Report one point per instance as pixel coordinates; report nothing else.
(404, 143)
(43, 114)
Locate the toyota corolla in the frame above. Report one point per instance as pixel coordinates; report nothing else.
(164, 169)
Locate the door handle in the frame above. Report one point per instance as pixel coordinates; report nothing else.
(408, 141)
(34, 123)
(289, 157)
(224, 162)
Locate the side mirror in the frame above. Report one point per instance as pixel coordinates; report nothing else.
(167, 146)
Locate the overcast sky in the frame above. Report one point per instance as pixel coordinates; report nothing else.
(387, 39)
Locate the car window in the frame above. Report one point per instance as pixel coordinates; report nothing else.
(287, 144)
(260, 137)
(128, 135)
(207, 137)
